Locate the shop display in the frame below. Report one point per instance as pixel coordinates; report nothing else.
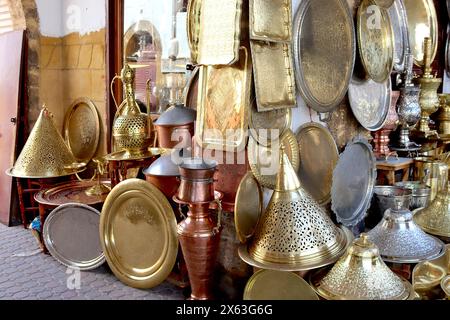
(399, 21)
(382, 139)
(71, 236)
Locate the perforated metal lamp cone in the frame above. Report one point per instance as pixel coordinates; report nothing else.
(45, 154)
(294, 233)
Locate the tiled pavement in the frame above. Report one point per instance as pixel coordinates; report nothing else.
(24, 275)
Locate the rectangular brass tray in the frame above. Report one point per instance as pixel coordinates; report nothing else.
(224, 105)
(274, 75)
(220, 31)
(271, 20)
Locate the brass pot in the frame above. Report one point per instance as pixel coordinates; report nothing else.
(432, 172)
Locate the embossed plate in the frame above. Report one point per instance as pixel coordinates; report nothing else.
(138, 233)
(370, 102)
(318, 158)
(193, 27)
(270, 20)
(324, 52)
(399, 21)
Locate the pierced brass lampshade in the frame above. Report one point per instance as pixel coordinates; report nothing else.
(294, 233)
(45, 154)
(361, 274)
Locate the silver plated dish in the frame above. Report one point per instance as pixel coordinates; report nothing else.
(71, 236)
(353, 182)
(399, 21)
(370, 102)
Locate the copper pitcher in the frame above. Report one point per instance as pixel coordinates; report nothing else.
(197, 180)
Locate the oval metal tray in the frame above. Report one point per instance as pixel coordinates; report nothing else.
(399, 21)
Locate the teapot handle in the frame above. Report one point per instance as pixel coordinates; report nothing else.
(116, 77)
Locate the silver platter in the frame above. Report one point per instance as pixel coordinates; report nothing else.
(71, 235)
(399, 21)
(370, 102)
(353, 181)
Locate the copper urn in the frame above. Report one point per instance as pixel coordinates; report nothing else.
(381, 138)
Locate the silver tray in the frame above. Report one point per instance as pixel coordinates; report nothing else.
(370, 102)
(71, 236)
(399, 21)
(353, 181)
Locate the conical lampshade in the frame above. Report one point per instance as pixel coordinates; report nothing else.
(45, 154)
(294, 233)
(361, 274)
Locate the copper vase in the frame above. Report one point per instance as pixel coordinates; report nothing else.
(381, 138)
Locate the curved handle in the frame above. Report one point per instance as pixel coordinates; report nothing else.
(180, 211)
(148, 89)
(112, 89)
(219, 216)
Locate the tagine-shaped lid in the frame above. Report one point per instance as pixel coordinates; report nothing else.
(45, 154)
(165, 166)
(176, 115)
(294, 233)
(400, 240)
(361, 274)
(436, 218)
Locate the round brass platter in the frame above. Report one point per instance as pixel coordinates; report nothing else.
(318, 158)
(422, 22)
(138, 232)
(376, 40)
(248, 207)
(193, 27)
(324, 57)
(264, 161)
(278, 285)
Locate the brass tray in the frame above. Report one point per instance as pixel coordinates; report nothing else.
(370, 102)
(274, 75)
(71, 236)
(318, 158)
(264, 161)
(422, 22)
(278, 285)
(138, 233)
(376, 40)
(324, 52)
(191, 90)
(248, 207)
(262, 124)
(270, 20)
(399, 22)
(82, 129)
(223, 105)
(138, 155)
(220, 31)
(193, 27)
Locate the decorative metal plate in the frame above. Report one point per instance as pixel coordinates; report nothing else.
(422, 22)
(220, 30)
(265, 161)
(193, 27)
(223, 105)
(353, 181)
(273, 70)
(399, 21)
(270, 20)
(269, 126)
(82, 129)
(278, 285)
(248, 207)
(318, 158)
(138, 232)
(191, 90)
(324, 57)
(370, 102)
(71, 236)
(376, 40)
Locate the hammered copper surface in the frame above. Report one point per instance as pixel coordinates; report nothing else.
(224, 103)
(278, 285)
(324, 52)
(318, 158)
(219, 34)
(422, 22)
(273, 70)
(138, 232)
(270, 20)
(375, 39)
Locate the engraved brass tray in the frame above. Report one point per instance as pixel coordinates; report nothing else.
(278, 285)
(270, 20)
(274, 75)
(220, 30)
(82, 129)
(422, 22)
(191, 90)
(71, 236)
(370, 102)
(193, 27)
(376, 40)
(223, 105)
(318, 158)
(264, 161)
(399, 22)
(138, 233)
(248, 207)
(324, 52)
